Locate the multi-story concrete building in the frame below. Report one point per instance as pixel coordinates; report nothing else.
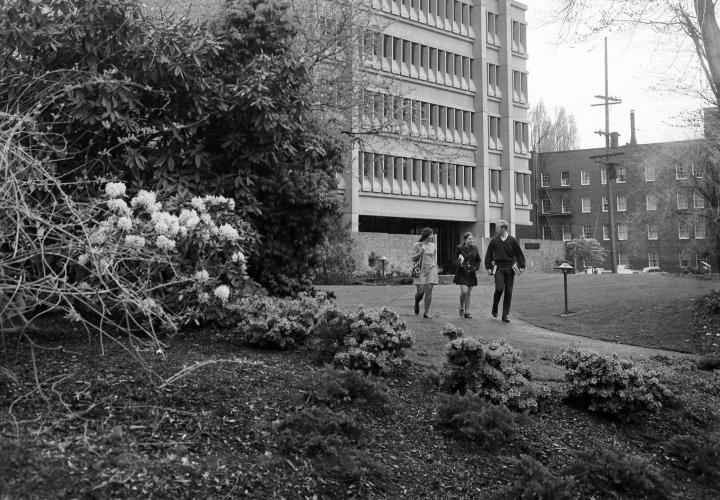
(448, 96)
(660, 217)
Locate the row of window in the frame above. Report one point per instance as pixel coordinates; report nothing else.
(389, 174)
(522, 188)
(449, 15)
(621, 203)
(650, 174)
(418, 118)
(495, 83)
(415, 60)
(521, 135)
(519, 33)
(683, 231)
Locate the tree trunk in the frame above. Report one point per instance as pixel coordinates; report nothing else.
(710, 33)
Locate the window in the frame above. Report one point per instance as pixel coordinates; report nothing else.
(700, 230)
(522, 189)
(649, 173)
(545, 206)
(520, 87)
(622, 232)
(493, 37)
(621, 204)
(606, 232)
(494, 133)
(653, 259)
(650, 202)
(680, 172)
(586, 205)
(587, 232)
(682, 201)
(683, 231)
(544, 180)
(604, 204)
(652, 232)
(565, 179)
(566, 206)
(584, 178)
(696, 171)
(519, 36)
(567, 233)
(603, 175)
(522, 137)
(684, 259)
(496, 195)
(547, 232)
(698, 200)
(494, 80)
(623, 259)
(621, 175)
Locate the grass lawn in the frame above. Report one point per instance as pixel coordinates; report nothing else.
(636, 309)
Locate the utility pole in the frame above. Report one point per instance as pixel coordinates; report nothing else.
(611, 173)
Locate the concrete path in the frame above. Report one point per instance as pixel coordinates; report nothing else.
(538, 345)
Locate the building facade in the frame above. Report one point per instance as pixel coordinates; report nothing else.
(447, 97)
(660, 215)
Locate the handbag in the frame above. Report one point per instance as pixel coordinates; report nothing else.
(417, 266)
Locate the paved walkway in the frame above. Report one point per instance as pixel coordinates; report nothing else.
(538, 345)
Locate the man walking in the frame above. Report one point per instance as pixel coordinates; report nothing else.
(502, 253)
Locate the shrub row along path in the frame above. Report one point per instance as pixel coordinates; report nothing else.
(538, 345)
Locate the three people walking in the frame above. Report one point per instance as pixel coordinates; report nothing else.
(503, 259)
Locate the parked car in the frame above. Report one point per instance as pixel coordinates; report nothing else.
(623, 270)
(702, 268)
(652, 270)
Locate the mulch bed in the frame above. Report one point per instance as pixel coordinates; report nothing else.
(100, 427)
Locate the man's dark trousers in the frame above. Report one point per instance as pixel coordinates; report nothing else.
(504, 280)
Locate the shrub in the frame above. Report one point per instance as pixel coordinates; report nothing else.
(371, 340)
(452, 332)
(475, 419)
(278, 323)
(494, 370)
(333, 388)
(316, 431)
(536, 482)
(708, 304)
(627, 475)
(698, 454)
(711, 362)
(610, 385)
(336, 263)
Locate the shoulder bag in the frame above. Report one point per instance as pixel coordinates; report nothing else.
(417, 266)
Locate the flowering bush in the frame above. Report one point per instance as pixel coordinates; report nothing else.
(610, 385)
(189, 265)
(279, 323)
(371, 340)
(452, 332)
(493, 370)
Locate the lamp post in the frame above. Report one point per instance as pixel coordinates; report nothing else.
(382, 260)
(565, 268)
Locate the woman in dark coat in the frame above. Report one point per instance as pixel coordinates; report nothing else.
(468, 258)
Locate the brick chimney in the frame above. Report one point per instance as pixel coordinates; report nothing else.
(633, 140)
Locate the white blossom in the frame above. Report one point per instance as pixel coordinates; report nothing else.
(84, 259)
(134, 241)
(202, 276)
(165, 223)
(165, 243)
(144, 199)
(238, 257)
(228, 232)
(124, 223)
(118, 206)
(206, 219)
(148, 304)
(115, 189)
(204, 297)
(198, 204)
(188, 218)
(222, 292)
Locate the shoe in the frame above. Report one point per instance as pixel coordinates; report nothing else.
(417, 307)
(462, 312)
(505, 319)
(467, 315)
(427, 316)
(494, 314)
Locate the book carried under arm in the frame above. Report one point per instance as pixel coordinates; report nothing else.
(461, 259)
(516, 269)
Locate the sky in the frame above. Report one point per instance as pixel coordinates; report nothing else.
(571, 74)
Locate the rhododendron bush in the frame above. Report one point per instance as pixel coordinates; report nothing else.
(112, 261)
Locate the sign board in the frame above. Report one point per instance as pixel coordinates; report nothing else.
(532, 246)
